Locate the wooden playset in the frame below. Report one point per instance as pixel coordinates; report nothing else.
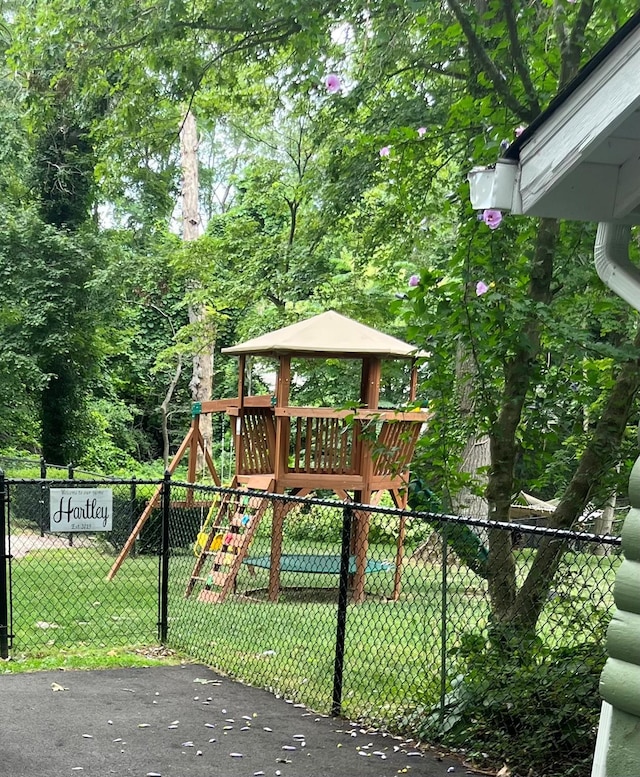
(285, 449)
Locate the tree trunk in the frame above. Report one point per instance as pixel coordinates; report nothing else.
(604, 523)
(476, 452)
(204, 334)
(597, 459)
(518, 373)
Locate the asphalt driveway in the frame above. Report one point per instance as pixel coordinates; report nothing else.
(185, 721)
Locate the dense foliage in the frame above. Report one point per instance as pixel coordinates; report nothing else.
(335, 139)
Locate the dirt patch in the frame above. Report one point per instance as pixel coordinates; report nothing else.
(21, 544)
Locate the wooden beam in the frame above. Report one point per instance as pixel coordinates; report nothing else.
(238, 439)
(361, 547)
(282, 423)
(209, 461)
(225, 405)
(370, 384)
(413, 385)
(186, 443)
(358, 415)
(397, 575)
(193, 454)
(316, 481)
(277, 529)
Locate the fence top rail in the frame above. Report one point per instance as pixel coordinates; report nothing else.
(431, 517)
(481, 523)
(84, 482)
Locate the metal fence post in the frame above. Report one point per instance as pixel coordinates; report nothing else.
(132, 511)
(163, 593)
(341, 629)
(71, 474)
(5, 591)
(443, 624)
(43, 494)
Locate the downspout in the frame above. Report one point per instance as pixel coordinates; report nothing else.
(617, 752)
(613, 265)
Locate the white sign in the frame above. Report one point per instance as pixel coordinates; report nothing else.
(80, 509)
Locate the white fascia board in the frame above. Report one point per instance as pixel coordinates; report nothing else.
(590, 114)
(628, 189)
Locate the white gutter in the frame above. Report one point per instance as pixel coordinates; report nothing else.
(611, 253)
(496, 186)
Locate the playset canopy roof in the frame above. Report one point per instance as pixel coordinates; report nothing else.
(327, 335)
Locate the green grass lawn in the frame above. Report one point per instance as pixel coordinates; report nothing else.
(66, 614)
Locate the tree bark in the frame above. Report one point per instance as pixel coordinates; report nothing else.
(476, 452)
(598, 458)
(518, 372)
(204, 336)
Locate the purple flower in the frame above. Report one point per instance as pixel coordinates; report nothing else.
(385, 151)
(332, 83)
(519, 130)
(422, 131)
(492, 218)
(481, 288)
(414, 280)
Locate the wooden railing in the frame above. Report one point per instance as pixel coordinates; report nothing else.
(258, 442)
(332, 442)
(322, 445)
(322, 441)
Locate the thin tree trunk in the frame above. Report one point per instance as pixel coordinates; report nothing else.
(164, 409)
(518, 374)
(476, 453)
(597, 459)
(204, 335)
(604, 524)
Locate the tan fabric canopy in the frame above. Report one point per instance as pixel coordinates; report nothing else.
(328, 334)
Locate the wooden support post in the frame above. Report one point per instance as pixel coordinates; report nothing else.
(186, 443)
(370, 382)
(397, 575)
(193, 455)
(282, 423)
(361, 546)
(413, 386)
(237, 422)
(276, 549)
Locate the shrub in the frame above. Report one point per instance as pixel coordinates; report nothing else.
(534, 709)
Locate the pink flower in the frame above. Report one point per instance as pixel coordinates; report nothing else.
(492, 218)
(414, 280)
(385, 151)
(481, 288)
(332, 83)
(519, 130)
(422, 131)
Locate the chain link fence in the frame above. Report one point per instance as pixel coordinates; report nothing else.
(406, 621)
(59, 595)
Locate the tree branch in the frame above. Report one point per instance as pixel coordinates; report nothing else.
(574, 44)
(518, 57)
(598, 458)
(488, 65)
